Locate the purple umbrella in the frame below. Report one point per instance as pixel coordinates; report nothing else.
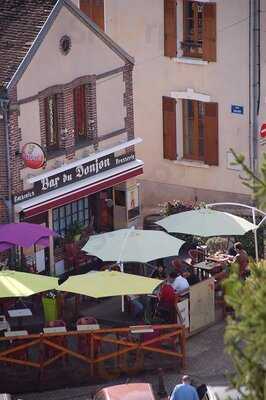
(24, 234)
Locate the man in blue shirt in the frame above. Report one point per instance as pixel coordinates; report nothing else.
(184, 391)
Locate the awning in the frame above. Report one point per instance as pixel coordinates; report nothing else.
(78, 190)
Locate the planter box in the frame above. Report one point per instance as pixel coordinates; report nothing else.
(50, 309)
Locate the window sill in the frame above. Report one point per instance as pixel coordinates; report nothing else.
(51, 154)
(191, 61)
(190, 163)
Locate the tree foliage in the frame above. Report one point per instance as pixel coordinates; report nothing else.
(245, 335)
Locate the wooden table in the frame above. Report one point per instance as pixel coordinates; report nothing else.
(204, 268)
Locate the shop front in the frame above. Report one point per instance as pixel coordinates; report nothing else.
(91, 195)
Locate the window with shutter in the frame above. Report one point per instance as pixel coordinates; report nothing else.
(170, 28)
(80, 114)
(51, 123)
(95, 10)
(200, 131)
(211, 150)
(169, 128)
(199, 30)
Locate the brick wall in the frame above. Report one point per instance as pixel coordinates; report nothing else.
(92, 111)
(15, 138)
(3, 174)
(128, 100)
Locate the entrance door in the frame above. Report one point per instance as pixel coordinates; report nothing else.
(105, 210)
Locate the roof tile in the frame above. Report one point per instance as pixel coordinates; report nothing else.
(20, 23)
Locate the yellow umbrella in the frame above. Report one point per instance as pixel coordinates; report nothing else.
(22, 284)
(109, 283)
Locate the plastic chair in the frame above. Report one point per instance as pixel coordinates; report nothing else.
(196, 256)
(74, 256)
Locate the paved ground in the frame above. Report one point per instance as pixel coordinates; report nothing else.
(207, 363)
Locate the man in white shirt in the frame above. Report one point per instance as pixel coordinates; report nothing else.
(179, 284)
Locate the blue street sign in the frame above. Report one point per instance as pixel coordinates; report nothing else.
(235, 109)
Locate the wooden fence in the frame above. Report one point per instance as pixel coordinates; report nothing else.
(96, 347)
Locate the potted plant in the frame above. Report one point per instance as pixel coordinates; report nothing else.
(74, 232)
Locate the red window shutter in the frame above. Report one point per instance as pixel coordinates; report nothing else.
(209, 32)
(95, 10)
(170, 28)
(211, 147)
(169, 128)
(80, 111)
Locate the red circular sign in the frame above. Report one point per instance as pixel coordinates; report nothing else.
(263, 131)
(33, 155)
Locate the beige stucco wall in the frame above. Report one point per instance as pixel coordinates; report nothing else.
(88, 55)
(141, 33)
(110, 106)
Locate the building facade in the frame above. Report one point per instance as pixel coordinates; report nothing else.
(194, 82)
(66, 124)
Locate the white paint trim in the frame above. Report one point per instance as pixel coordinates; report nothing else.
(188, 163)
(74, 164)
(78, 185)
(191, 61)
(191, 95)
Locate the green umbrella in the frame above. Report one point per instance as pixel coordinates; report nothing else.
(109, 283)
(22, 284)
(133, 245)
(206, 222)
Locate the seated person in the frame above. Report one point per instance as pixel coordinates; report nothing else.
(167, 300)
(159, 272)
(179, 283)
(137, 307)
(186, 271)
(241, 258)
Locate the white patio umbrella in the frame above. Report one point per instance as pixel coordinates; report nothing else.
(132, 245)
(206, 222)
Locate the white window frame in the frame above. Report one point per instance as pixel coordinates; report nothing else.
(188, 94)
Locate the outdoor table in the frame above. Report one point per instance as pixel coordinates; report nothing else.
(4, 324)
(86, 324)
(20, 313)
(21, 354)
(205, 268)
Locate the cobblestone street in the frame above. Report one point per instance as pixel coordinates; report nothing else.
(206, 361)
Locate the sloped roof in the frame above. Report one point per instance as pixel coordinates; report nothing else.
(23, 26)
(20, 23)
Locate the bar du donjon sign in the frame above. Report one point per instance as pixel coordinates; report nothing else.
(74, 174)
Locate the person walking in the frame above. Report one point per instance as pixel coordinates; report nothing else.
(184, 391)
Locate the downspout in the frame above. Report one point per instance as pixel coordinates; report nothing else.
(255, 54)
(4, 106)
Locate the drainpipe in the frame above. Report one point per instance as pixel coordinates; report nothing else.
(255, 78)
(4, 108)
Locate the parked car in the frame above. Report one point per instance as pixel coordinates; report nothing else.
(130, 391)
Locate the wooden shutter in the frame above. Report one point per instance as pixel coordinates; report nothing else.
(169, 128)
(209, 32)
(170, 29)
(80, 111)
(95, 10)
(211, 148)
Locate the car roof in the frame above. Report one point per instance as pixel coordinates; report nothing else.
(131, 391)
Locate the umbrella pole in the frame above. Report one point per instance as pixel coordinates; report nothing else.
(255, 236)
(122, 297)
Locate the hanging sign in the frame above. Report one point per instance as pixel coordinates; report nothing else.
(263, 131)
(33, 155)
